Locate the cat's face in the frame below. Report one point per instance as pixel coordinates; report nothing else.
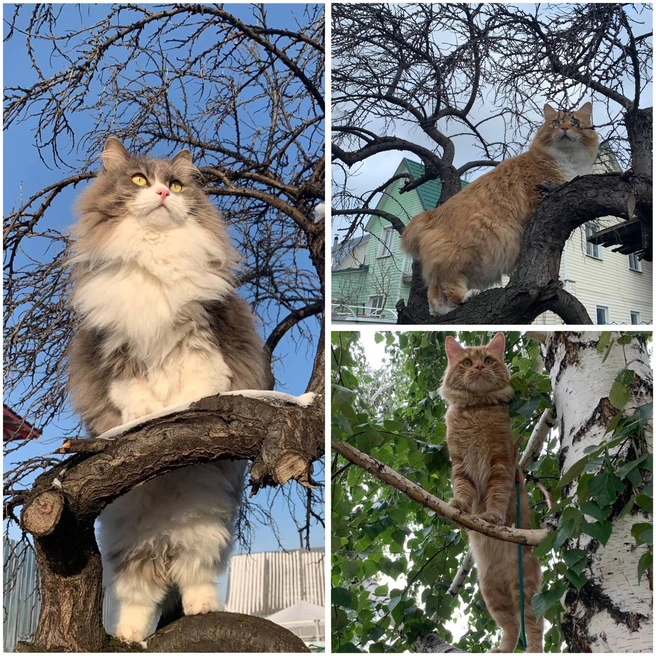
(476, 369)
(568, 130)
(153, 191)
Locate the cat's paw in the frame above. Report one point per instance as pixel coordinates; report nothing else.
(492, 517)
(458, 504)
(201, 604)
(470, 294)
(128, 632)
(141, 409)
(436, 310)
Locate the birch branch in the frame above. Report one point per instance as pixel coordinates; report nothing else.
(441, 508)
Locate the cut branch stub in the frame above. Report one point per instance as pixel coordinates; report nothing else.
(42, 513)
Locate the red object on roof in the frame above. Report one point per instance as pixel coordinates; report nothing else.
(14, 427)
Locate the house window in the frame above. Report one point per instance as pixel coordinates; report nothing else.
(385, 244)
(634, 263)
(603, 315)
(635, 318)
(592, 250)
(377, 304)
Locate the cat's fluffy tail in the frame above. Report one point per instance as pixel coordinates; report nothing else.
(412, 235)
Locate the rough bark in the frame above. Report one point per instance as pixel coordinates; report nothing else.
(639, 126)
(534, 286)
(225, 633)
(282, 438)
(612, 612)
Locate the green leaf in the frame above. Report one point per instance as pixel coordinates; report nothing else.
(544, 600)
(645, 502)
(350, 569)
(643, 533)
(644, 564)
(545, 546)
(348, 648)
(603, 341)
(341, 597)
(598, 530)
(591, 508)
(378, 337)
(605, 487)
(632, 464)
(575, 470)
(619, 395)
(577, 580)
(575, 559)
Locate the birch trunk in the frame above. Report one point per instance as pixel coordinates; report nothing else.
(612, 612)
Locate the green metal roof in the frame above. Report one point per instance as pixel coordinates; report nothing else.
(429, 192)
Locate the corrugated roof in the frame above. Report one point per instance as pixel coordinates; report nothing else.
(340, 251)
(14, 427)
(264, 583)
(429, 193)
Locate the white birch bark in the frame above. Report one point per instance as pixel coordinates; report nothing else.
(612, 612)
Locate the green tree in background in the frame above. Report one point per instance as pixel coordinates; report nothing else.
(394, 560)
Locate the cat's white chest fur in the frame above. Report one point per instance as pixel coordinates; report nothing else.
(144, 282)
(572, 158)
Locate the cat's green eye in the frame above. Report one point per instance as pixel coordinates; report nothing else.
(467, 362)
(576, 123)
(139, 180)
(555, 124)
(488, 360)
(175, 186)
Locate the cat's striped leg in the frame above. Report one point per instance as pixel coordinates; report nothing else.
(502, 605)
(532, 581)
(437, 303)
(455, 290)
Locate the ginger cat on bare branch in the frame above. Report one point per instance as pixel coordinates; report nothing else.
(483, 462)
(469, 242)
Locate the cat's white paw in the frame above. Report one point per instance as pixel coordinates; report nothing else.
(438, 310)
(140, 409)
(201, 605)
(128, 632)
(470, 294)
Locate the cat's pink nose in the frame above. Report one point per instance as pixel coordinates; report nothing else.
(162, 192)
(480, 367)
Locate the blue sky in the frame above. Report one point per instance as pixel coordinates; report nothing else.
(25, 173)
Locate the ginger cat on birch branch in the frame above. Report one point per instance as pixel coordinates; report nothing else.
(469, 242)
(483, 461)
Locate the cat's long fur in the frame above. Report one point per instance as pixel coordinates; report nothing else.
(469, 242)
(159, 323)
(483, 461)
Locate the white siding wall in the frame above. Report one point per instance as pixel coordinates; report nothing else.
(607, 281)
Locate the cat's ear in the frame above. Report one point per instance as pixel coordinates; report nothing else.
(586, 110)
(114, 155)
(183, 161)
(183, 157)
(498, 345)
(550, 114)
(452, 348)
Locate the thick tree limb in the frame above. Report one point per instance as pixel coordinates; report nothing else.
(534, 286)
(224, 633)
(442, 509)
(283, 437)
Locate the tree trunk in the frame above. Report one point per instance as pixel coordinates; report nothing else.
(639, 128)
(612, 612)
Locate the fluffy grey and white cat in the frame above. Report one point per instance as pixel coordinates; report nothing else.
(158, 323)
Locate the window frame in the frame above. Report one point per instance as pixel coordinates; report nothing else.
(385, 250)
(606, 308)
